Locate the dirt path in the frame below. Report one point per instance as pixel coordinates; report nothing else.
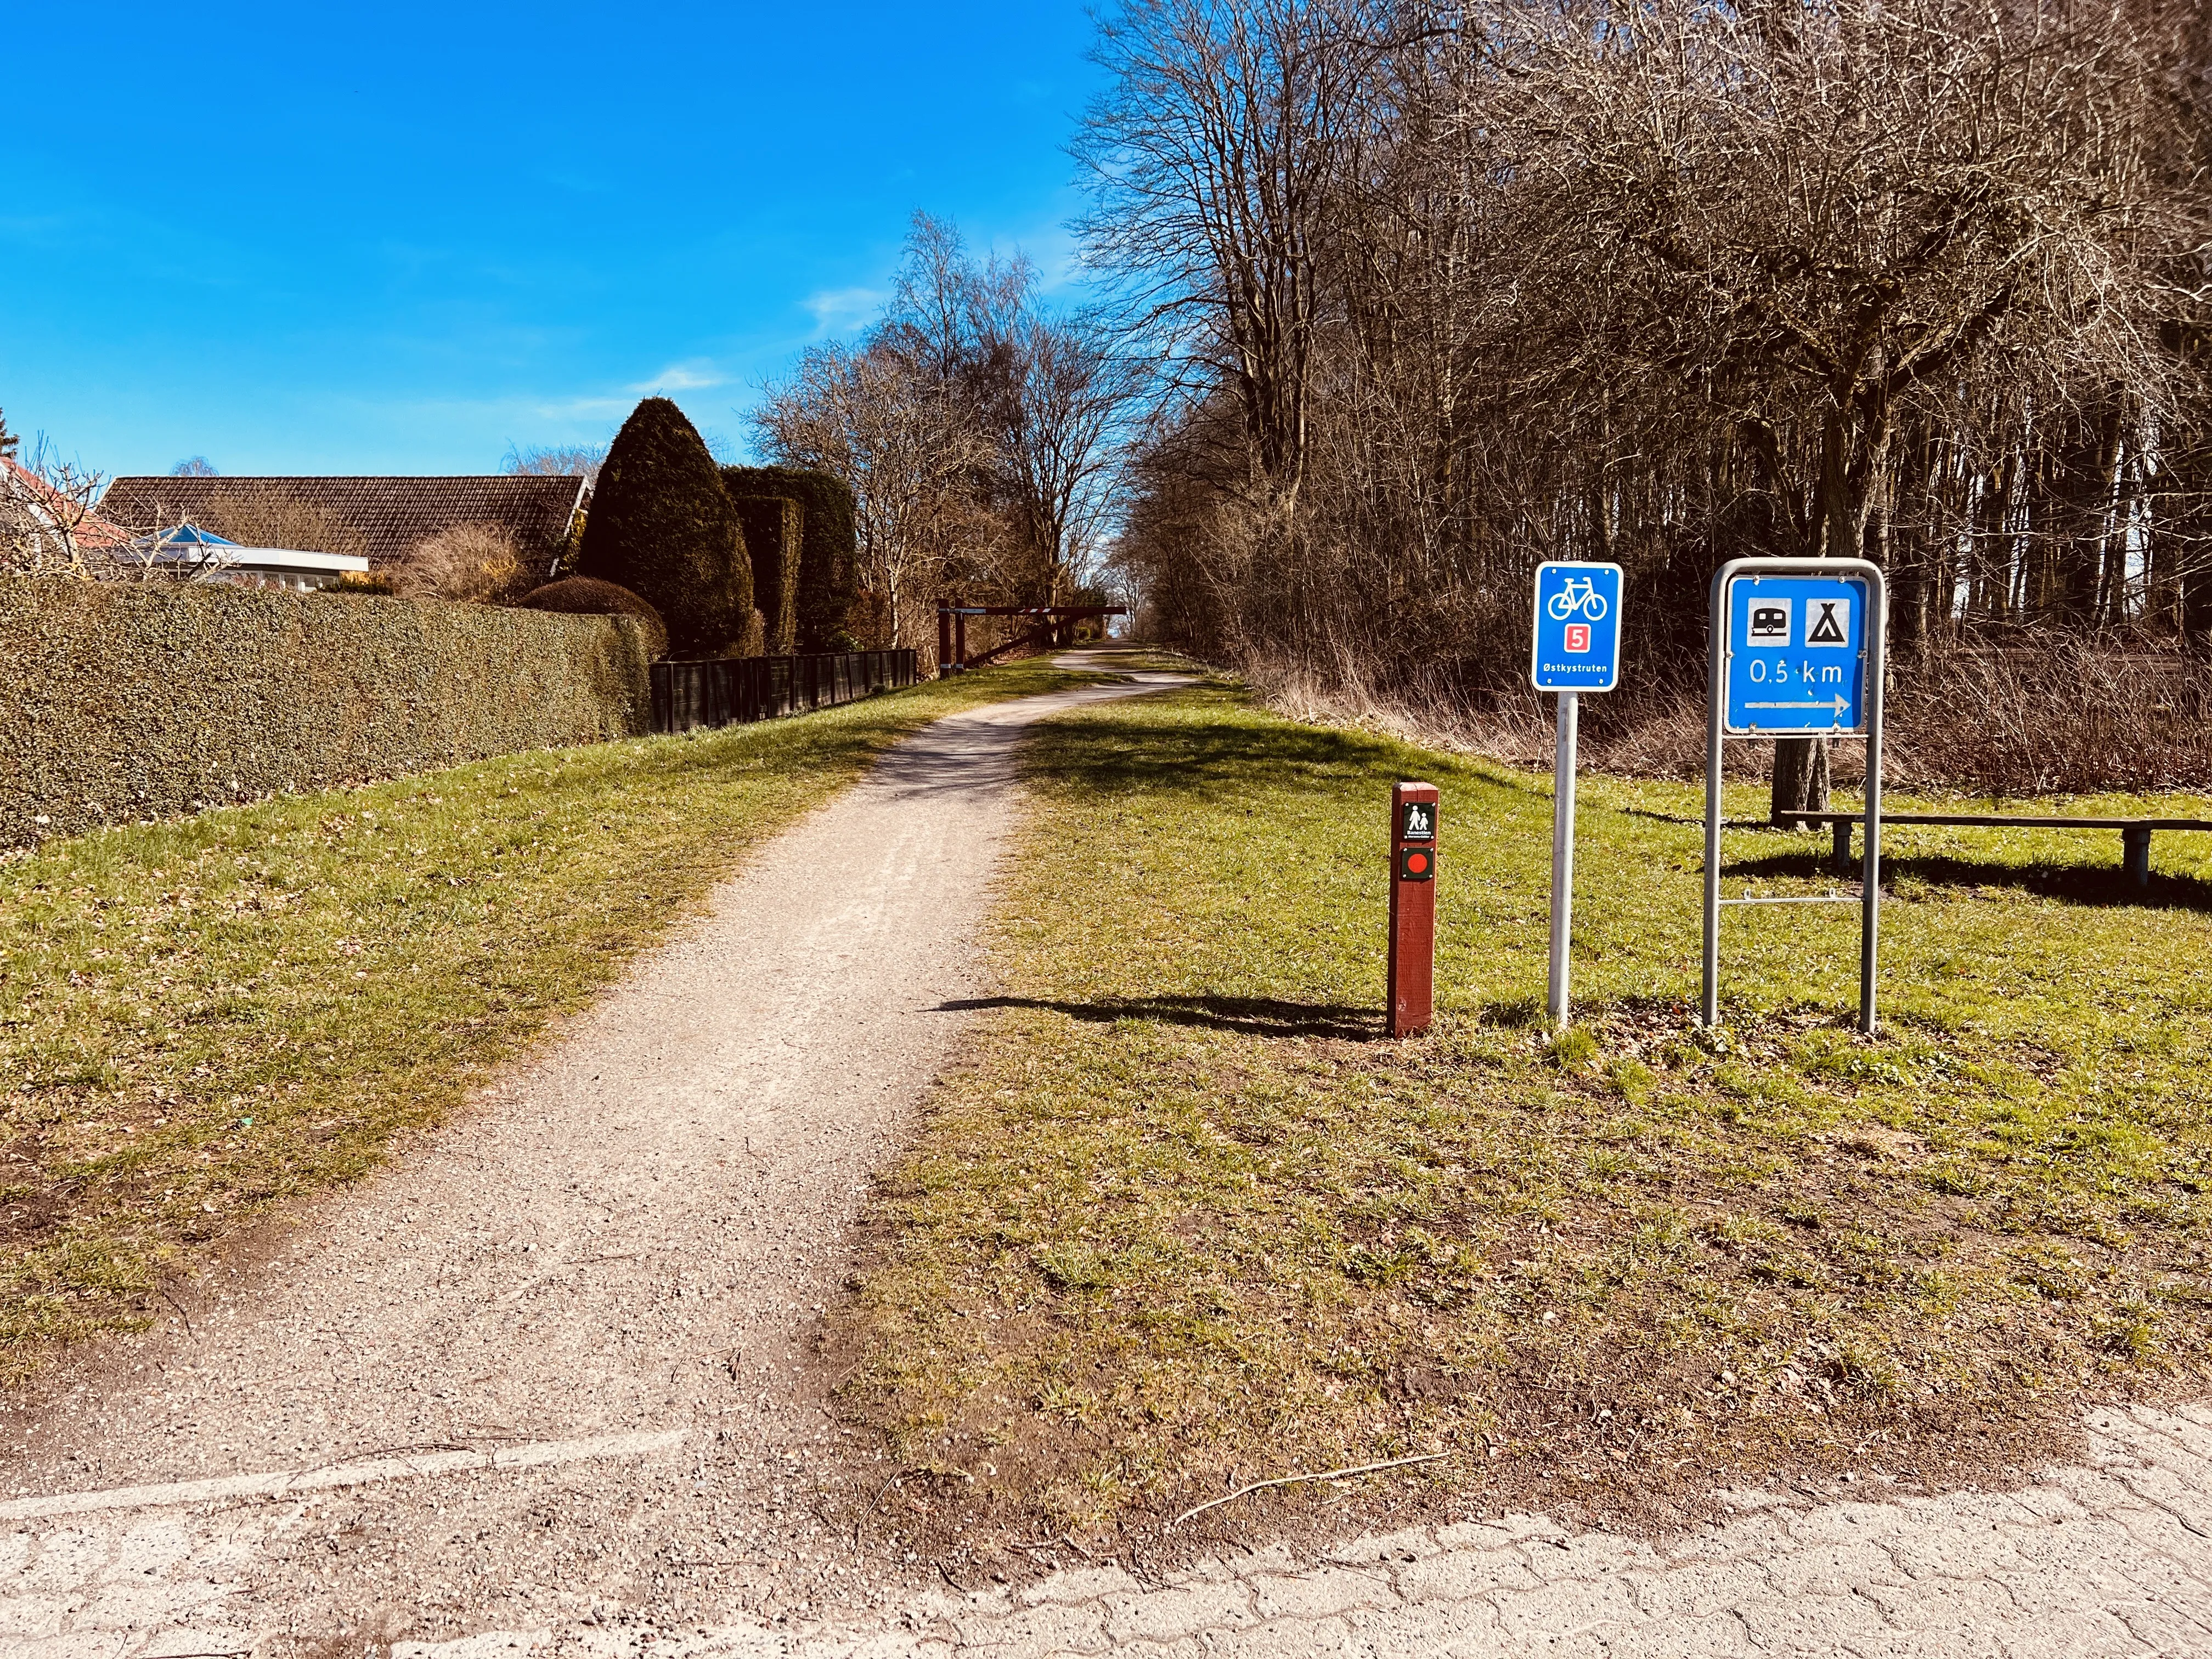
(549, 1371)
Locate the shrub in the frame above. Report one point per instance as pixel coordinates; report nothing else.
(371, 583)
(824, 601)
(775, 527)
(583, 596)
(479, 563)
(662, 527)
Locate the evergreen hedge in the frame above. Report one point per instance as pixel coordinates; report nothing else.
(774, 527)
(662, 525)
(582, 596)
(137, 701)
(827, 554)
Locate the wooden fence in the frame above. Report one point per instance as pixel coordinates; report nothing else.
(731, 690)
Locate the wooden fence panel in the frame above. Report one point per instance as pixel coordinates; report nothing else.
(728, 691)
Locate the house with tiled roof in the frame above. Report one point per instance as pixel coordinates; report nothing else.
(40, 511)
(383, 519)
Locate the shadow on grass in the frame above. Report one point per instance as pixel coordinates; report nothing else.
(1253, 1016)
(1152, 753)
(2104, 886)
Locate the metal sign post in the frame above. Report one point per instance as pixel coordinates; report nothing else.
(1575, 647)
(1796, 651)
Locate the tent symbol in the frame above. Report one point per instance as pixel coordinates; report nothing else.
(1827, 627)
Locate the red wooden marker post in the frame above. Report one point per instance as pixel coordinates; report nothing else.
(1412, 908)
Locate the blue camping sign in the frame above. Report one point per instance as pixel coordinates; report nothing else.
(1794, 654)
(1576, 646)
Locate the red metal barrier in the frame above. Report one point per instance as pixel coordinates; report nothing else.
(1413, 838)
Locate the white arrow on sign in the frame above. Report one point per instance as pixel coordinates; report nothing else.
(1842, 705)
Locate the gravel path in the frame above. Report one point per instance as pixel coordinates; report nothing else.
(580, 1312)
(543, 1389)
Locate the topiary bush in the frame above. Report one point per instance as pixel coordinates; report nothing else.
(774, 526)
(662, 525)
(827, 563)
(585, 595)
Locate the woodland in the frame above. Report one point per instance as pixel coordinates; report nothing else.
(1436, 292)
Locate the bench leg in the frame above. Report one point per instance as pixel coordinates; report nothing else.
(2137, 844)
(1843, 827)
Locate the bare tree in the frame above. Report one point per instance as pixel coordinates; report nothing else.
(1471, 285)
(979, 429)
(1048, 390)
(555, 460)
(1216, 154)
(899, 434)
(50, 524)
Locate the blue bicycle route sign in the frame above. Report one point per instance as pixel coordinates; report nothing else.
(1577, 640)
(1794, 654)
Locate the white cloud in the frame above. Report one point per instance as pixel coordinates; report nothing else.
(838, 309)
(688, 376)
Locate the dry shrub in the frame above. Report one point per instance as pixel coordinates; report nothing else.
(2046, 715)
(479, 563)
(2052, 715)
(273, 521)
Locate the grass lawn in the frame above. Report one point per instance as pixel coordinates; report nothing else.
(200, 1019)
(1187, 1220)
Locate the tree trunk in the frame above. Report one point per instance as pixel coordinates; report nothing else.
(1801, 777)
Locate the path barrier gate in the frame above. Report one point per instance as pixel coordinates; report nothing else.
(1796, 650)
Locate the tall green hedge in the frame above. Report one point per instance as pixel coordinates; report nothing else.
(827, 558)
(131, 701)
(774, 526)
(662, 525)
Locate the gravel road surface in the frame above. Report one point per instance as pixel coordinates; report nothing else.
(542, 1389)
(579, 1313)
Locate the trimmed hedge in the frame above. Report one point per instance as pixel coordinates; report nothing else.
(774, 526)
(128, 703)
(828, 544)
(662, 525)
(584, 596)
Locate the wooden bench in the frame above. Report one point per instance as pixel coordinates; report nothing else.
(2135, 833)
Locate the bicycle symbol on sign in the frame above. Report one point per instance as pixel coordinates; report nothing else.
(1579, 594)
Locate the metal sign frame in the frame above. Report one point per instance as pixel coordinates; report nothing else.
(1720, 649)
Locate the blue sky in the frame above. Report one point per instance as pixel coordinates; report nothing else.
(307, 239)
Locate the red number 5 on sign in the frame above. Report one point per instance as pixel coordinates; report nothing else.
(1578, 637)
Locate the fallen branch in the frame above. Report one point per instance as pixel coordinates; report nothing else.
(1293, 1479)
